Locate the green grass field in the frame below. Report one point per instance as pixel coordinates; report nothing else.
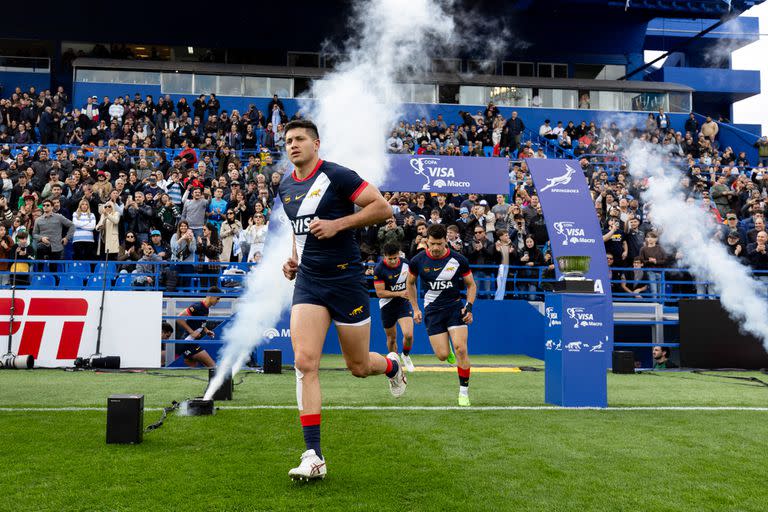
(385, 459)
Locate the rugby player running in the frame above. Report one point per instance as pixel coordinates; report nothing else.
(443, 271)
(389, 277)
(319, 199)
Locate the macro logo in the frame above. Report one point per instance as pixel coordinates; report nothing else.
(42, 314)
(571, 233)
(582, 318)
(555, 184)
(432, 167)
(273, 333)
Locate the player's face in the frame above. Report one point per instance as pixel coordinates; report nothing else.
(300, 146)
(391, 259)
(437, 246)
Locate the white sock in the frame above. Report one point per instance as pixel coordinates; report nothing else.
(464, 390)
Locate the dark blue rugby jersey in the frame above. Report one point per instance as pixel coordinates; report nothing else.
(328, 193)
(198, 310)
(443, 278)
(393, 279)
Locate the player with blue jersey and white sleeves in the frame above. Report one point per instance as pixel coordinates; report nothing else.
(389, 277)
(444, 272)
(319, 199)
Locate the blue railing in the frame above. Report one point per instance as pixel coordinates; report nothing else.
(193, 278)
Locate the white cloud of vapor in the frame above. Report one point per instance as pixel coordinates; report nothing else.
(688, 228)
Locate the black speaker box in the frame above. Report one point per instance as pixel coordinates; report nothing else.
(709, 338)
(125, 419)
(226, 389)
(273, 361)
(623, 361)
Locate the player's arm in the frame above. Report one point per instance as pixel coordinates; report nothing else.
(410, 288)
(469, 283)
(374, 209)
(383, 293)
(183, 323)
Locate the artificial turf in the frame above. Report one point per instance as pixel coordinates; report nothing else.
(387, 459)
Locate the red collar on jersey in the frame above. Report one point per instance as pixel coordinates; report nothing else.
(296, 178)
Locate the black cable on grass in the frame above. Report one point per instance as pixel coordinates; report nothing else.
(159, 423)
(750, 379)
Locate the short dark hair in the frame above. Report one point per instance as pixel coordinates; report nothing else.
(390, 248)
(303, 123)
(166, 328)
(214, 290)
(437, 231)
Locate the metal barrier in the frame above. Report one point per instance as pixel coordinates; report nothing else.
(179, 278)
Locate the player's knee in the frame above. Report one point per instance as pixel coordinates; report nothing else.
(305, 364)
(460, 350)
(442, 356)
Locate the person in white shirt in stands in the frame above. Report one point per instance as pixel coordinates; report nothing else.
(545, 130)
(85, 223)
(558, 130)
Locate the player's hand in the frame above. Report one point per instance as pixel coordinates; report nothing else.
(404, 294)
(290, 268)
(323, 228)
(466, 315)
(210, 333)
(417, 316)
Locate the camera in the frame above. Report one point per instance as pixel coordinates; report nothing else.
(11, 361)
(98, 362)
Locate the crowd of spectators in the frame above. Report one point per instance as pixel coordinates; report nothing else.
(109, 189)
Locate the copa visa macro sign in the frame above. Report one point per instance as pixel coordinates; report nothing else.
(436, 173)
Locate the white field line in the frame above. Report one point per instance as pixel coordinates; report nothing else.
(418, 408)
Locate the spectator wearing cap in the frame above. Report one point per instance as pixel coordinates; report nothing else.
(404, 213)
(102, 187)
(734, 244)
(47, 234)
(161, 248)
(732, 224)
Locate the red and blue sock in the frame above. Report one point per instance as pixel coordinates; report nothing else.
(463, 376)
(392, 367)
(310, 423)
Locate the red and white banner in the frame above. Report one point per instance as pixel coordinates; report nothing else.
(58, 326)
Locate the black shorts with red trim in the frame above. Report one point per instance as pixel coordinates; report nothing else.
(345, 297)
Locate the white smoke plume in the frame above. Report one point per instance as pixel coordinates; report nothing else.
(354, 107)
(357, 104)
(687, 227)
(267, 294)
